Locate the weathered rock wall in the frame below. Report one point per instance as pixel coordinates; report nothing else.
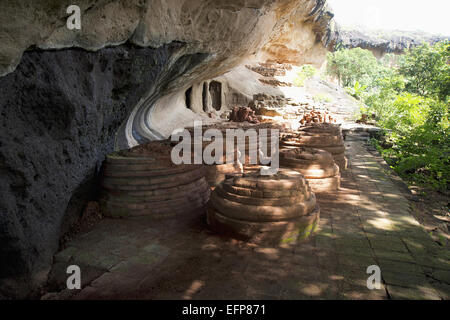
(304, 38)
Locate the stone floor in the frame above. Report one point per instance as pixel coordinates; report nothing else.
(367, 222)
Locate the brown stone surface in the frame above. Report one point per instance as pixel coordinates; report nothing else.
(316, 117)
(242, 114)
(275, 219)
(323, 136)
(215, 174)
(249, 149)
(317, 166)
(367, 222)
(150, 185)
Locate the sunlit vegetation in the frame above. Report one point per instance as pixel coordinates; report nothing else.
(322, 97)
(409, 98)
(306, 72)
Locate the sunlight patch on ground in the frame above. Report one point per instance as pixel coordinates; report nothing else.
(409, 220)
(382, 224)
(393, 196)
(270, 253)
(312, 290)
(193, 289)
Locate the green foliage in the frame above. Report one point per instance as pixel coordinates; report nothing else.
(409, 96)
(322, 97)
(306, 72)
(389, 60)
(426, 70)
(418, 143)
(357, 91)
(351, 65)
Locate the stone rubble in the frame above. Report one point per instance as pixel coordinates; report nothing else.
(242, 114)
(317, 117)
(270, 70)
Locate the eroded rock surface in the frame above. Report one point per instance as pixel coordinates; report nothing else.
(229, 28)
(60, 111)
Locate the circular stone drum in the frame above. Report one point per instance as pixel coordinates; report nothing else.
(316, 165)
(215, 173)
(330, 128)
(277, 209)
(143, 181)
(323, 136)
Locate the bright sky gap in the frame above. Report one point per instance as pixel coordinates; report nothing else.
(430, 16)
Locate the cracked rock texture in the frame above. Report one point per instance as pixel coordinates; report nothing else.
(231, 29)
(64, 95)
(305, 36)
(60, 111)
